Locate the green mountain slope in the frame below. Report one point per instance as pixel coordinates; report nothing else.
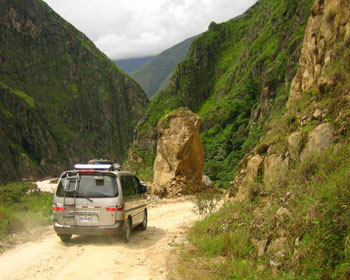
(131, 64)
(235, 75)
(155, 74)
(62, 99)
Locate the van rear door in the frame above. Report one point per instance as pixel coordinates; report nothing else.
(94, 203)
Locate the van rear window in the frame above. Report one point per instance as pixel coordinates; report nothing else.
(88, 185)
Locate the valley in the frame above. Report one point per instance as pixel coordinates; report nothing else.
(258, 109)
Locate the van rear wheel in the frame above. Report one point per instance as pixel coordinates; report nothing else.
(143, 226)
(65, 237)
(127, 231)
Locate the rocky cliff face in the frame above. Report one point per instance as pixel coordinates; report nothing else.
(326, 35)
(79, 105)
(178, 167)
(289, 212)
(318, 103)
(22, 126)
(296, 179)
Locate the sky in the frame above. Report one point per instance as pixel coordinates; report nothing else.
(136, 28)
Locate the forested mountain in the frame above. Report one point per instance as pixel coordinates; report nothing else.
(62, 100)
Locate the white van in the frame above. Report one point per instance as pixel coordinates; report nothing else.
(95, 199)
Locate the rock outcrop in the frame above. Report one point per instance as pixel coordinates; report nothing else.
(295, 142)
(250, 176)
(178, 167)
(274, 166)
(320, 139)
(315, 119)
(326, 36)
(328, 23)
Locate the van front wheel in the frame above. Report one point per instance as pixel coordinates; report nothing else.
(127, 231)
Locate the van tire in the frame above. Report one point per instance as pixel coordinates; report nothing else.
(65, 237)
(143, 225)
(127, 231)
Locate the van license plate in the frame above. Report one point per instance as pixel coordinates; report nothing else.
(86, 218)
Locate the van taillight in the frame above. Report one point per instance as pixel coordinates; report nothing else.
(118, 207)
(57, 207)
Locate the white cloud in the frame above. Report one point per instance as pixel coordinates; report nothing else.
(136, 28)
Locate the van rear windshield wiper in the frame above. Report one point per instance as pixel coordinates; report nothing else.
(82, 196)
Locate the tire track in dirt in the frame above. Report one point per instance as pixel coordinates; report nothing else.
(97, 257)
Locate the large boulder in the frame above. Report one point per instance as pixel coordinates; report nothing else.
(180, 157)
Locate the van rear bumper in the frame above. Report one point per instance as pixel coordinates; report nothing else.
(117, 228)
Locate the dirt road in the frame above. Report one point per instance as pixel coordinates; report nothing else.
(103, 257)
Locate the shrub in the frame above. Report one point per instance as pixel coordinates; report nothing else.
(205, 203)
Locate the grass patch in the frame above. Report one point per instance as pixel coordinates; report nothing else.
(23, 206)
(29, 100)
(5, 111)
(316, 193)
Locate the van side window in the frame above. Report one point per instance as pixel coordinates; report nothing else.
(137, 184)
(128, 185)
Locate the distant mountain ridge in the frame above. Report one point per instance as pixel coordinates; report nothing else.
(61, 99)
(155, 74)
(131, 64)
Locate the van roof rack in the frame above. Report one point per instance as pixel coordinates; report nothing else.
(80, 166)
(100, 161)
(98, 165)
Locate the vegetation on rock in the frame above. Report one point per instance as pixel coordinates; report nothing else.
(298, 231)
